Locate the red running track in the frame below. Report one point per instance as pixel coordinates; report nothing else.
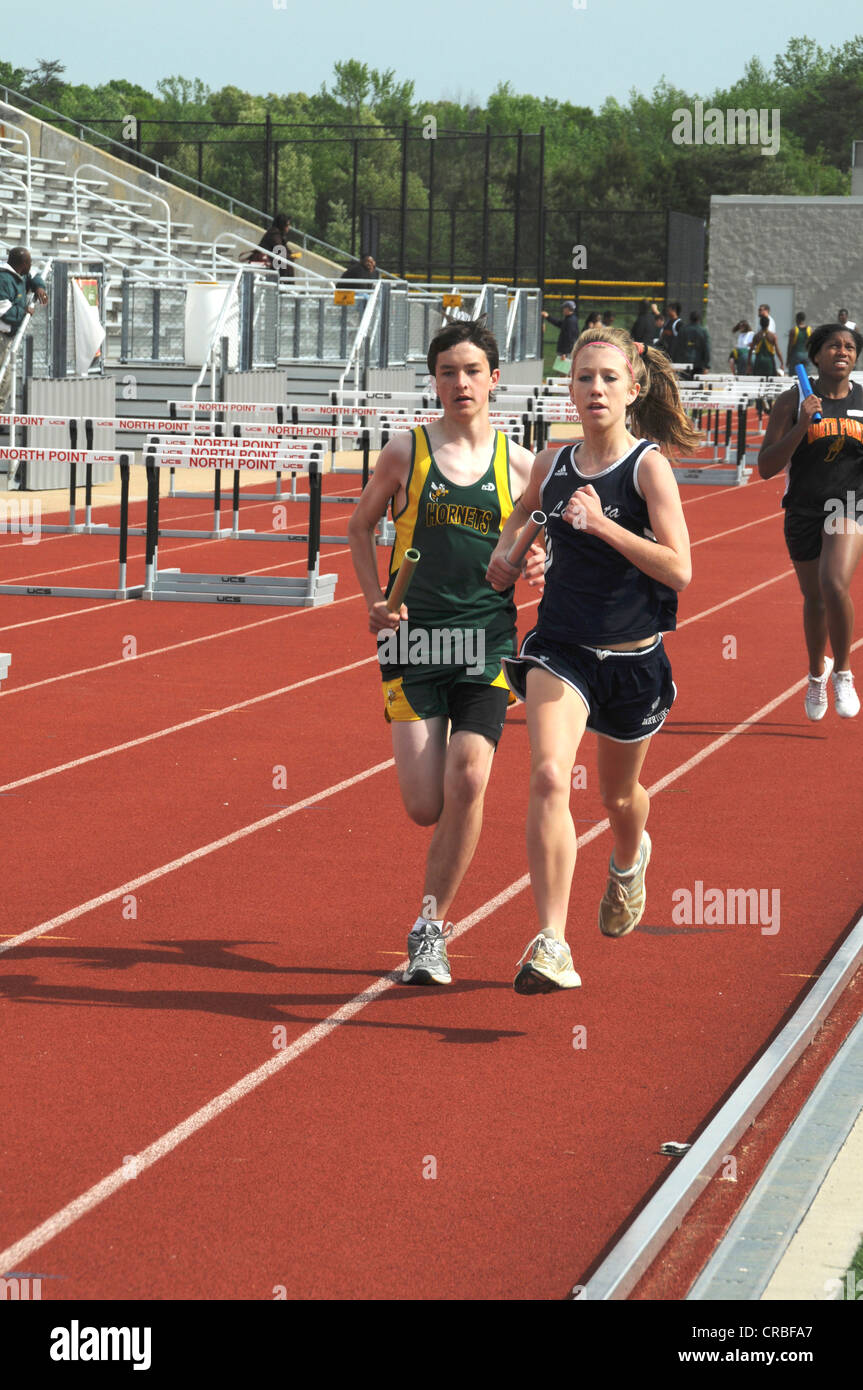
(215, 1089)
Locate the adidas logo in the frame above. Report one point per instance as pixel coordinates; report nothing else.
(487, 487)
(561, 472)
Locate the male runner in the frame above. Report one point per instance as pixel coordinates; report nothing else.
(452, 485)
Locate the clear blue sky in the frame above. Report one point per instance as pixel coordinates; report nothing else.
(449, 48)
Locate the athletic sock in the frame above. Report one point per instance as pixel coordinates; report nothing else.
(422, 922)
(627, 873)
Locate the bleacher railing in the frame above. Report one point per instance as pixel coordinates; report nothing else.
(26, 182)
(91, 187)
(224, 262)
(235, 206)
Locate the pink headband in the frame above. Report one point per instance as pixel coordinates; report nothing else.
(600, 342)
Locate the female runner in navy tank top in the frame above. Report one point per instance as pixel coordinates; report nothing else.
(617, 555)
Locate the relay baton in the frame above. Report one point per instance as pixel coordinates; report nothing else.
(520, 548)
(403, 579)
(806, 388)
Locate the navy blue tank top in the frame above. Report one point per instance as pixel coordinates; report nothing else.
(593, 594)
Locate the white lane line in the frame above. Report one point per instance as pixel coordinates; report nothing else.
(164, 552)
(248, 501)
(279, 617)
(55, 617)
(193, 856)
(81, 1206)
(186, 724)
(765, 584)
(173, 647)
(771, 516)
(95, 607)
(729, 491)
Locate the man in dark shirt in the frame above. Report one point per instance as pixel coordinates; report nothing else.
(568, 326)
(669, 337)
(363, 269)
(695, 342)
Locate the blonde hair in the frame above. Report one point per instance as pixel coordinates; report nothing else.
(657, 413)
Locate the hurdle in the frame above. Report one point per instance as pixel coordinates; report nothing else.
(73, 457)
(282, 426)
(88, 456)
(552, 410)
(5, 663)
(172, 585)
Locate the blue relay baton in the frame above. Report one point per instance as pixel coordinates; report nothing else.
(806, 388)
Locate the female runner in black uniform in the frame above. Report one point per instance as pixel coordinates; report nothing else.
(618, 552)
(823, 504)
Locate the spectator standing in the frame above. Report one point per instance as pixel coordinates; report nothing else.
(764, 350)
(842, 317)
(798, 342)
(695, 343)
(568, 325)
(739, 355)
(669, 337)
(16, 283)
(765, 309)
(644, 328)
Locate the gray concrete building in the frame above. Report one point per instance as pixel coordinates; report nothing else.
(789, 252)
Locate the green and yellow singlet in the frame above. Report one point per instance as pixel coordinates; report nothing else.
(455, 528)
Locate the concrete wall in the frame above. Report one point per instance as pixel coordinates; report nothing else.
(813, 244)
(206, 220)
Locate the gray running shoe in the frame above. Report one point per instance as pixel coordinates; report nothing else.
(428, 964)
(546, 966)
(623, 903)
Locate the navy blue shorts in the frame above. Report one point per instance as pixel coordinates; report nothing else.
(627, 694)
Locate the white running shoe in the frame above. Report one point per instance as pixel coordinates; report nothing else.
(546, 965)
(816, 692)
(847, 699)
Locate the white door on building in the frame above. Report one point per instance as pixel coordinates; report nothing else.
(782, 309)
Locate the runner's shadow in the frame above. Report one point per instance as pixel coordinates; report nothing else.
(682, 931)
(204, 954)
(271, 1009)
(763, 729)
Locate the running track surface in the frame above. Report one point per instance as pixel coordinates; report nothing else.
(213, 1086)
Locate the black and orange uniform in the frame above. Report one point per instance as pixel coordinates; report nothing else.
(595, 597)
(824, 479)
(446, 657)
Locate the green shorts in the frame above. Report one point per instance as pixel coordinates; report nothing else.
(472, 693)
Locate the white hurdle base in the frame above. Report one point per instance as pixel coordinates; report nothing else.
(62, 591)
(714, 477)
(5, 663)
(173, 586)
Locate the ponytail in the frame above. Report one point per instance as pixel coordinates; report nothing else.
(658, 412)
